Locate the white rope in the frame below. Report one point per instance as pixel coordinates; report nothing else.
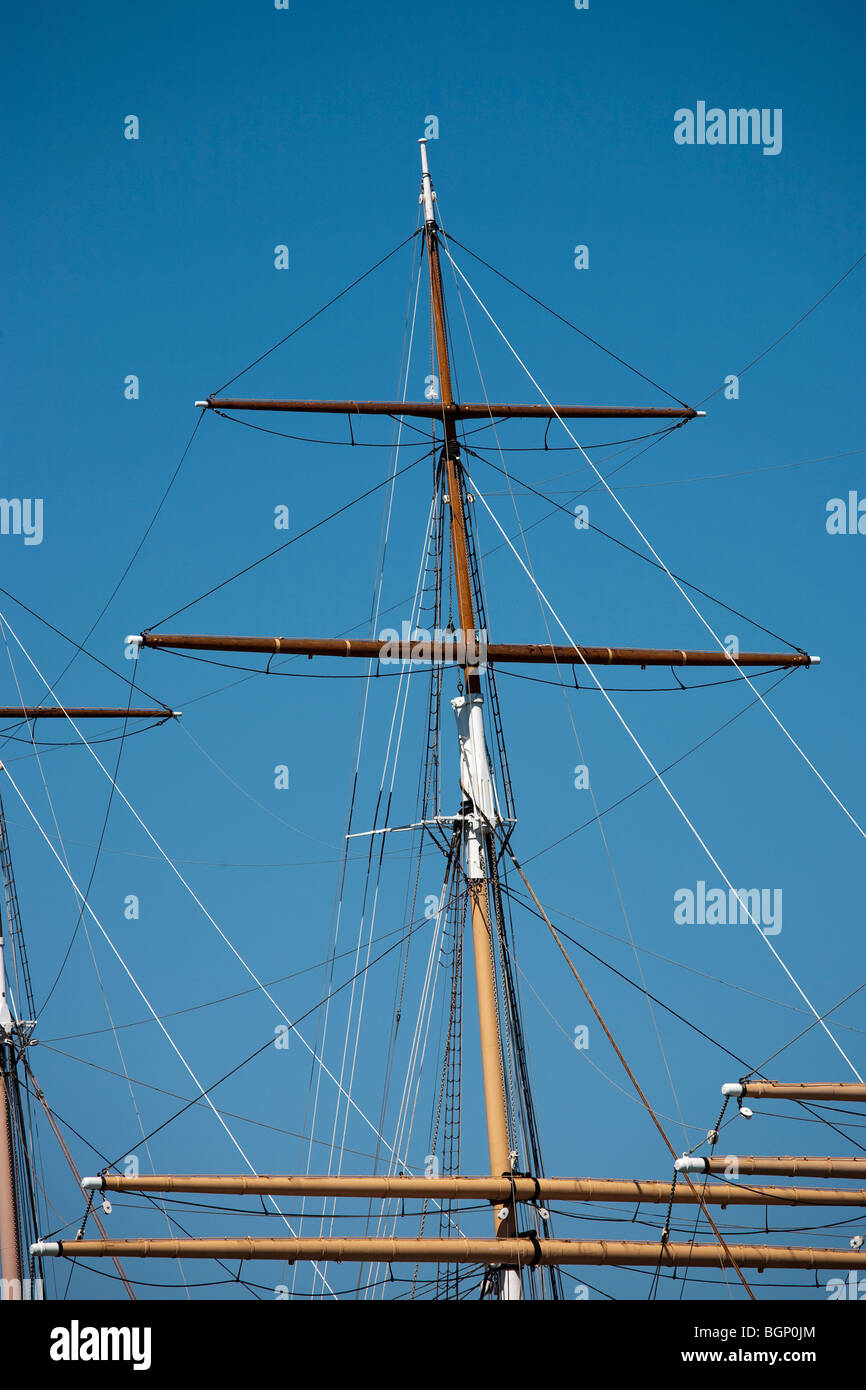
(648, 760)
(235, 952)
(570, 713)
(658, 558)
(159, 1202)
(86, 906)
(322, 1033)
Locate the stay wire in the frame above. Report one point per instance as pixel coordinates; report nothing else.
(80, 647)
(788, 331)
(138, 548)
(625, 1065)
(319, 311)
(293, 541)
(96, 857)
(632, 551)
(204, 1093)
(667, 768)
(567, 322)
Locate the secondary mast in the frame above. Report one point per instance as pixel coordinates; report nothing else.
(10, 1254)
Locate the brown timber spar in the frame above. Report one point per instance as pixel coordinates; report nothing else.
(61, 712)
(517, 1252)
(454, 1188)
(450, 410)
(532, 653)
(754, 1165)
(804, 1090)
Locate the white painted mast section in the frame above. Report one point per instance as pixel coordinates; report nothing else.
(427, 194)
(476, 782)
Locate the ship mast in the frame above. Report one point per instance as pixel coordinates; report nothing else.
(511, 1250)
(475, 781)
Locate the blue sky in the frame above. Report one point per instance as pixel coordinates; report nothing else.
(155, 257)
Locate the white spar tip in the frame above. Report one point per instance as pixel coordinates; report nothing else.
(733, 1088)
(204, 404)
(133, 639)
(93, 1184)
(814, 661)
(44, 1248)
(690, 1163)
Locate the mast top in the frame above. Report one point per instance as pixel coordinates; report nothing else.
(428, 194)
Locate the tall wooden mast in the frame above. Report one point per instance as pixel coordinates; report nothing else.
(479, 809)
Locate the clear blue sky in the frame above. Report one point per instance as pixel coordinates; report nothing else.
(155, 257)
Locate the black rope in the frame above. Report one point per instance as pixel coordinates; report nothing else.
(567, 322)
(71, 640)
(790, 330)
(137, 551)
(636, 689)
(650, 780)
(306, 321)
(294, 540)
(640, 555)
(562, 448)
(302, 438)
(206, 1090)
(85, 900)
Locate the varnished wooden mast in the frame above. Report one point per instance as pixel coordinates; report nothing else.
(498, 1141)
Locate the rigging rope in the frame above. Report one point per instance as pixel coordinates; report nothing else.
(674, 800)
(647, 560)
(319, 311)
(293, 541)
(626, 1067)
(566, 321)
(657, 557)
(136, 985)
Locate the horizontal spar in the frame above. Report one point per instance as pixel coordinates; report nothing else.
(754, 1165)
(57, 712)
(412, 1250)
(434, 410)
(797, 1090)
(473, 652)
(448, 1188)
